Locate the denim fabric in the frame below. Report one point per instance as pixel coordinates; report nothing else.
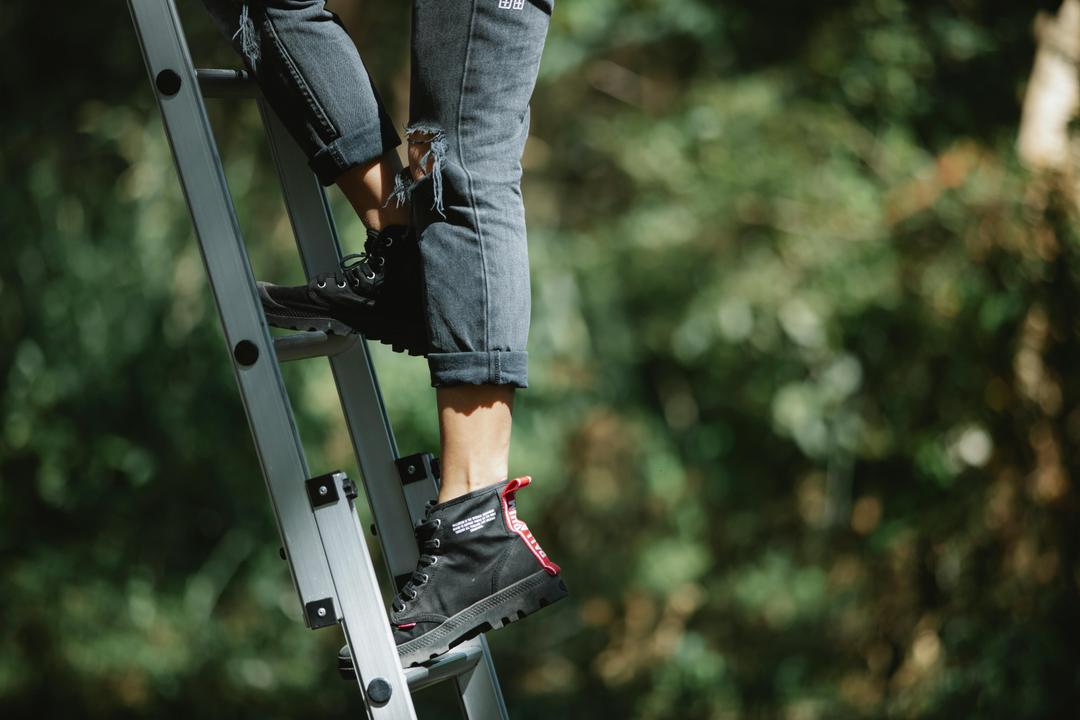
(311, 75)
(474, 67)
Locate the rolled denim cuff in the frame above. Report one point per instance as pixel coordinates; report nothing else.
(493, 367)
(357, 148)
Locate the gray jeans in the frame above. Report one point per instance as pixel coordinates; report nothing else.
(474, 66)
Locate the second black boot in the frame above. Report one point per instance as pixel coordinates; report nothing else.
(376, 292)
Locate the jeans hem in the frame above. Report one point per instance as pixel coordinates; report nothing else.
(357, 148)
(492, 367)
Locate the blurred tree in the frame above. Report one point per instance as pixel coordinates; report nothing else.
(803, 412)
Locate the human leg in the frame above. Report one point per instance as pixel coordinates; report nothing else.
(475, 64)
(368, 187)
(474, 69)
(474, 425)
(312, 76)
(315, 82)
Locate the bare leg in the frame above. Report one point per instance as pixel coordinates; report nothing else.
(367, 188)
(418, 148)
(474, 421)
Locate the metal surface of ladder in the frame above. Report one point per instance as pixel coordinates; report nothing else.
(320, 532)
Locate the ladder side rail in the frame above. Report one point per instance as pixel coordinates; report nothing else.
(202, 178)
(365, 415)
(363, 619)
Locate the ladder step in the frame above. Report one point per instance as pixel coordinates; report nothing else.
(454, 663)
(226, 83)
(450, 665)
(300, 346)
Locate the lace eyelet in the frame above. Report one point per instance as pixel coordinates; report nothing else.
(438, 523)
(438, 544)
(321, 283)
(382, 261)
(343, 284)
(370, 277)
(389, 242)
(426, 577)
(413, 596)
(434, 560)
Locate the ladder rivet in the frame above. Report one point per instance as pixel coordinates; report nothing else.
(321, 612)
(246, 353)
(378, 691)
(323, 490)
(167, 82)
(411, 470)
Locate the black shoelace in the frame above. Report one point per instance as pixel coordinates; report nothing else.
(372, 258)
(429, 546)
(357, 265)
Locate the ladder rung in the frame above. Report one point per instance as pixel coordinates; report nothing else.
(450, 665)
(304, 345)
(226, 83)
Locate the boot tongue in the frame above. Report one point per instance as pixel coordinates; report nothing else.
(358, 270)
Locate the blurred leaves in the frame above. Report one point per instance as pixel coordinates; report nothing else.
(801, 414)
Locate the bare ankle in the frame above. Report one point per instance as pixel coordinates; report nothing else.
(456, 484)
(369, 189)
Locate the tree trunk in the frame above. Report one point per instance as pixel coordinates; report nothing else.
(1053, 94)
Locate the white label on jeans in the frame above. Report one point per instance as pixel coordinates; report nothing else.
(474, 523)
(511, 4)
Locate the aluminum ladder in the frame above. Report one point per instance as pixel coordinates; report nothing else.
(321, 537)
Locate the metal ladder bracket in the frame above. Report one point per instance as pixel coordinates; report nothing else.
(417, 468)
(320, 613)
(322, 490)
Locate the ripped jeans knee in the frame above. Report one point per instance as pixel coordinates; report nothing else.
(430, 163)
(248, 42)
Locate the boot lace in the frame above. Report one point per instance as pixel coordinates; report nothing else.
(367, 262)
(355, 266)
(429, 547)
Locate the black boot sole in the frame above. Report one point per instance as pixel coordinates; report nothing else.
(498, 610)
(310, 324)
(331, 327)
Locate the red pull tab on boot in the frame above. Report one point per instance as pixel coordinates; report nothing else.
(518, 526)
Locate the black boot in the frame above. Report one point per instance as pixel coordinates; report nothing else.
(480, 569)
(377, 292)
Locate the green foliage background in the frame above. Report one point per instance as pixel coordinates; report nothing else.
(803, 414)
